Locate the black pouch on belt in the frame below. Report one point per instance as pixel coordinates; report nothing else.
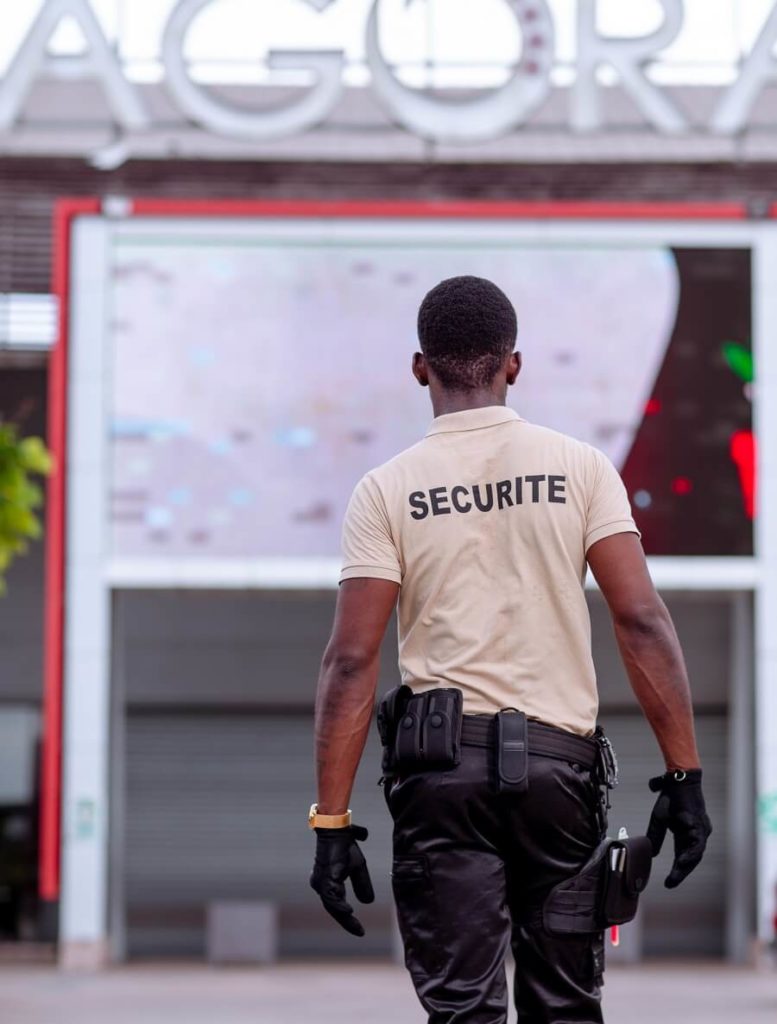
(390, 710)
(429, 732)
(512, 752)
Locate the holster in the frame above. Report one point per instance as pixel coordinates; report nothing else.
(420, 730)
(604, 892)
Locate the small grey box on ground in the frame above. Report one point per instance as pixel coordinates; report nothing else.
(242, 932)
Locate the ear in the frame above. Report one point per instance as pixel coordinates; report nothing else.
(420, 371)
(514, 364)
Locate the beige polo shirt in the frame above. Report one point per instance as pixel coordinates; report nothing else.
(485, 524)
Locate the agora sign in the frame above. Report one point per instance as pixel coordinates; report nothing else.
(484, 116)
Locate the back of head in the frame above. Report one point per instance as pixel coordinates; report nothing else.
(467, 328)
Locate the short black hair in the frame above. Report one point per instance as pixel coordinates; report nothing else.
(466, 327)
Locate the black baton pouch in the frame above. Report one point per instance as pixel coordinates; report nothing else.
(512, 752)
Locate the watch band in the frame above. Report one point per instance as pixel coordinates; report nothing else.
(316, 820)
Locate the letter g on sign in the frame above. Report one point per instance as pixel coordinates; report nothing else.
(223, 119)
(488, 116)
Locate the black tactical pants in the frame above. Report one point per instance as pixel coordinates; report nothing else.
(471, 868)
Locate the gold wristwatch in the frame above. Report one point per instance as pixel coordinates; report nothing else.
(316, 820)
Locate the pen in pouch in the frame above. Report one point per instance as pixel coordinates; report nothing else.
(617, 859)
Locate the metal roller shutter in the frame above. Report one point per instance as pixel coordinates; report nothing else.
(216, 807)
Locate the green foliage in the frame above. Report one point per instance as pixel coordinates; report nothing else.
(20, 496)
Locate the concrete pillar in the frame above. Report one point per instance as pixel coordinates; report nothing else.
(83, 909)
(740, 922)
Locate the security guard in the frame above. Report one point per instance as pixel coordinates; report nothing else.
(495, 767)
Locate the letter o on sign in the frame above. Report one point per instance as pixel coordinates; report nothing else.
(488, 116)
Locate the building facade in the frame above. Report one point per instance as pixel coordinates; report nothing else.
(187, 729)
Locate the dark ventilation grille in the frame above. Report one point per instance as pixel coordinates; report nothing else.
(29, 188)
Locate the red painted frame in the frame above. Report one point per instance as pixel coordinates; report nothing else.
(65, 212)
(54, 602)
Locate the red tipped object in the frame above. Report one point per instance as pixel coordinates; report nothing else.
(652, 406)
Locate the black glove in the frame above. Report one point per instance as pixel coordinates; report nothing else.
(679, 808)
(337, 858)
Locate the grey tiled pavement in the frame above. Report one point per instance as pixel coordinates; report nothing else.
(337, 993)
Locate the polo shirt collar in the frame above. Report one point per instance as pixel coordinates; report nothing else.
(472, 419)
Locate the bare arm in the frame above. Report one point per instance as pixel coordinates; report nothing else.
(347, 684)
(648, 645)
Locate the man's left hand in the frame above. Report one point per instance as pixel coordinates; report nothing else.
(679, 809)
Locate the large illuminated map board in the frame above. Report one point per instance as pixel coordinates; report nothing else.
(258, 371)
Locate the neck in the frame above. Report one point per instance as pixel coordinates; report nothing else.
(444, 402)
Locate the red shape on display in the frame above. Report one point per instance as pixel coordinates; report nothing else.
(742, 451)
(682, 485)
(652, 406)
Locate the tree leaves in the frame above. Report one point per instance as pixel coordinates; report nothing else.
(20, 496)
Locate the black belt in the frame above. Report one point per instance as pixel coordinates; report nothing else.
(544, 740)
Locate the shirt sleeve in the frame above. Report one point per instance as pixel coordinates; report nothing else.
(609, 511)
(368, 546)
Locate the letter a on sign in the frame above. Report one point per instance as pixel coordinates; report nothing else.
(759, 69)
(34, 59)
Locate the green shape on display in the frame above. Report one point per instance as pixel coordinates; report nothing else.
(739, 359)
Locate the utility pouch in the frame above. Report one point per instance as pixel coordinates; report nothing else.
(512, 751)
(627, 875)
(428, 734)
(604, 892)
(390, 710)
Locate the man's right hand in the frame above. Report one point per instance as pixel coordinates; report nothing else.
(338, 857)
(680, 809)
